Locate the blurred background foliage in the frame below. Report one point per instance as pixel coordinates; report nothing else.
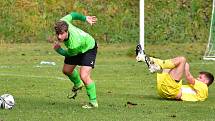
(176, 21)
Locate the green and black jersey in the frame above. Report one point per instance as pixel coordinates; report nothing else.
(78, 41)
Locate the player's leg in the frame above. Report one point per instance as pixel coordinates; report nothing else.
(87, 64)
(169, 64)
(169, 82)
(73, 75)
(176, 66)
(177, 72)
(85, 72)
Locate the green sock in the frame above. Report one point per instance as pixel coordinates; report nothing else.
(75, 78)
(91, 91)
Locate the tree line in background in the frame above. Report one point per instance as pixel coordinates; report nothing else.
(178, 21)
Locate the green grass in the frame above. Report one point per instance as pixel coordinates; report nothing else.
(178, 21)
(33, 20)
(40, 90)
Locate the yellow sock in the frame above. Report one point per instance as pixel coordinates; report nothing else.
(165, 64)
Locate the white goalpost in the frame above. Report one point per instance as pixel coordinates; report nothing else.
(142, 24)
(140, 47)
(210, 50)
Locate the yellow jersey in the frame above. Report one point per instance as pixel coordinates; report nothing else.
(196, 92)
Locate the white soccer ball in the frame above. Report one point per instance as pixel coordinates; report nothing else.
(7, 101)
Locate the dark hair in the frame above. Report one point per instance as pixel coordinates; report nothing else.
(60, 27)
(209, 76)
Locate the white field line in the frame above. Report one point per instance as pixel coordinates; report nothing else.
(59, 78)
(49, 66)
(32, 76)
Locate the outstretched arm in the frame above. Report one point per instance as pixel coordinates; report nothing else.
(90, 19)
(77, 16)
(189, 77)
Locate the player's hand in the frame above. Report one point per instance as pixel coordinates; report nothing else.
(91, 19)
(56, 45)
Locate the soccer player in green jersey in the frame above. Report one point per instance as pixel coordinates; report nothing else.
(81, 50)
(169, 78)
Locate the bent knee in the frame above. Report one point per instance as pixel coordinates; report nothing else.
(85, 77)
(66, 72)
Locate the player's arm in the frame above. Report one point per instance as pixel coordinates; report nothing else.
(189, 77)
(78, 16)
(74, 16)
(60, 50)
(90, 19)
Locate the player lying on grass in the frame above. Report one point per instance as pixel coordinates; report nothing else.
(81, 50)
(169, 78)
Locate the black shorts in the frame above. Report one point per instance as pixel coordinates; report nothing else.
(84, 59)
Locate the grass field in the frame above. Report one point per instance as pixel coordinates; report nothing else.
(40, 90)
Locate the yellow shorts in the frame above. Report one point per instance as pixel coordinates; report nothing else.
(167, 87)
